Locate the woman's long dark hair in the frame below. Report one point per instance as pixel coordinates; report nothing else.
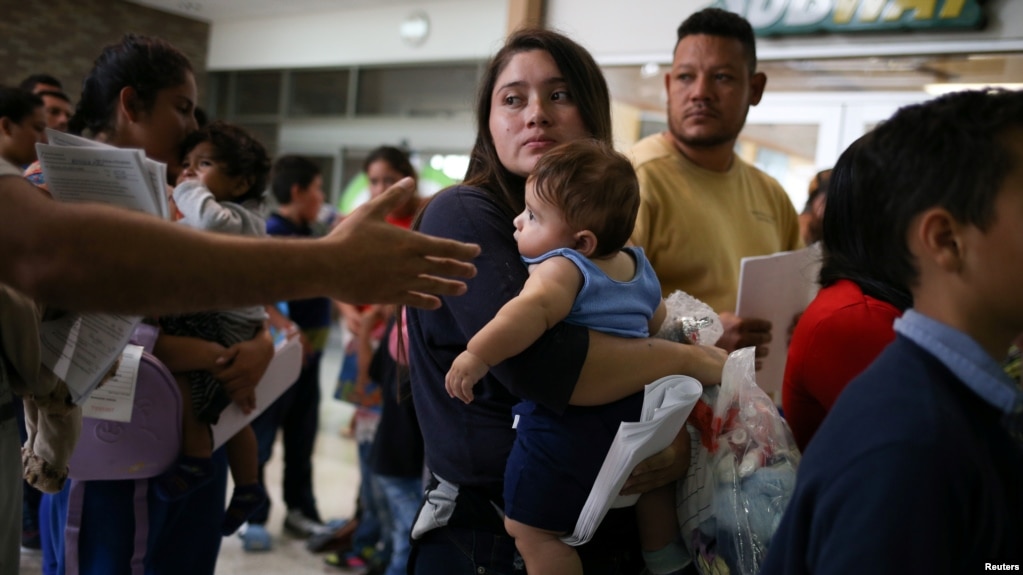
(397, 158)
(952, 152)
(143, 63)
(586, 86)
(848, 244)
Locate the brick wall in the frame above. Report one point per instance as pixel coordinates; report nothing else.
(64, 37)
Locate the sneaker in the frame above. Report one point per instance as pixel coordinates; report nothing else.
(336, 537)
(350, 560)
(299, 525)
(255, 537)
(367, 561)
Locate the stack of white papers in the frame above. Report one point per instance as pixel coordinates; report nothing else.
(81, 348)
(81, 170)
(777, 288)
(667, 403)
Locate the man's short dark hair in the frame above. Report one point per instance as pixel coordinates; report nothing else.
(951, 152)
(29, 84)
(725, 24)
(17, 104)
(54, 94)
(288, 171)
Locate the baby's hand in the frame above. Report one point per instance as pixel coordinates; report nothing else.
(463, 375)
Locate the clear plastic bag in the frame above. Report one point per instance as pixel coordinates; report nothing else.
(743, 474)
(689, 320)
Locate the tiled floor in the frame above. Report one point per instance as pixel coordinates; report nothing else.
(336, 482)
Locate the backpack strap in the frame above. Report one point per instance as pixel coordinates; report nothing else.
(73, 528)
(141, 505)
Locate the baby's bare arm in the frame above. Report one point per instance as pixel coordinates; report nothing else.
(181, 354)
(545, 300)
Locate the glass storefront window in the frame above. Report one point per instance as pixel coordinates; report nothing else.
(416, 91)
(265, 132)
(258, 93)
(319, 93)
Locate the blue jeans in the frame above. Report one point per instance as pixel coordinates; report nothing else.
(404, 496)
(375, 519)
(297, 413)
(52, 518)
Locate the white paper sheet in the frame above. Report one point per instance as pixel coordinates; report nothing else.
(278, 377)
(113, 176)
(777, 287)
(113, 401)
(667, 403)
(81, 348)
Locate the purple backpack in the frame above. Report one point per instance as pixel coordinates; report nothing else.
(147, 445)
(138, 450)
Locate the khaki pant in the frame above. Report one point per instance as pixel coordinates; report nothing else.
(10, 492)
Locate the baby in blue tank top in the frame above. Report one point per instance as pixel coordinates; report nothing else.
(581, 204)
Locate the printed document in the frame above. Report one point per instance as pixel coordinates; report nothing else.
(114, 400)
(81, 348)
(667, 403)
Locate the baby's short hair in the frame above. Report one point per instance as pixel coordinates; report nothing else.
(241, 153)
(594, 186)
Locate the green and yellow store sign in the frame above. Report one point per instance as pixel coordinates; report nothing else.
(790, 17)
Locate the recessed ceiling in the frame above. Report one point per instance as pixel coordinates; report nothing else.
(644, 87)
(221, 10)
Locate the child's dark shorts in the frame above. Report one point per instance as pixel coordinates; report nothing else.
(556, 458)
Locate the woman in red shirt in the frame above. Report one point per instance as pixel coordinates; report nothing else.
(850, 321)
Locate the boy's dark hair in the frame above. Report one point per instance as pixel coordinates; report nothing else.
(242, 155)
(291, 170)
(725, 24)
(17, 104)
(148, 65)
(950, 152)
(395, 157)
(594, 186)
(29, 84)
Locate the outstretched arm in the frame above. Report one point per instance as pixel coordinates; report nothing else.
(91, 258)
(545, 300)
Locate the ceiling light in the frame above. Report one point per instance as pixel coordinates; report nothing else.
(415, 29)
(939, 89)
(650, 69)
